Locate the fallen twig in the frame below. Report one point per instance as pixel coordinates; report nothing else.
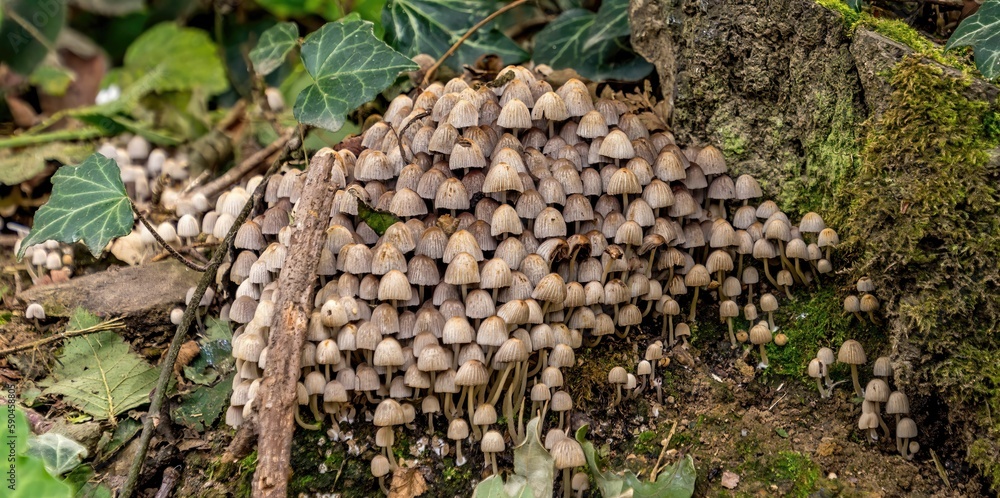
(166, 254)
(173, 252)
(277, 403)
(249, 164)
(663, 451)
(115, 324)
(166, 368)
(940, 469)
(430, 72)
(170, 476)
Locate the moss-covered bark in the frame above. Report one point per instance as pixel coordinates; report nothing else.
(820, 103)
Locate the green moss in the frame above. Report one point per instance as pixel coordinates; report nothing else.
(924, 222)
(794, 473)
(900, 32)
(733, 143)
(646, 443)
(5, 317)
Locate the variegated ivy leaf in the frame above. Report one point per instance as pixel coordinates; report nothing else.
(561, 44)
(88, 204)
(981, 31)
(433, 26)
(274, 45)
(349, 66)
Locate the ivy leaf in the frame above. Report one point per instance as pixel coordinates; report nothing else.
(533, 462)
(274, 45)
(981, 31)
(674, 481)
(611, 23)
(88, 203)
(101, 376)
(20, 48)
(60, 453)
(200, 408)
(855, 5)
(181, 58)
(561, 45)
(349, 66)
(433, 26)
(34, 481)
(26, 163)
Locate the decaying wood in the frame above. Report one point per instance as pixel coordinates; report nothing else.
(170, 476)
(296, 284)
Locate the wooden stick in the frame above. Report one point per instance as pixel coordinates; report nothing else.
(249, 164)
(296, 286)
(152, 417)
(469, 33)
(663, 451)
(173, 252)
(108, 325)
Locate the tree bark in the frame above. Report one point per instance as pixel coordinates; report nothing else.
(296, 285)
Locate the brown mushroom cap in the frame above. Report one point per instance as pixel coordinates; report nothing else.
(852, 353)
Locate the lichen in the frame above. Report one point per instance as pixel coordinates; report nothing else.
(924, 215)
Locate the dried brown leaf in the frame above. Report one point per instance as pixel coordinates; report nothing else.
(407, 482)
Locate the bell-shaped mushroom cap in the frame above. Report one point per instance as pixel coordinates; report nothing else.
(718, 260)
(451, 194)
(463, 114)
(729, 309)
(816, 368)
(387, 257)
(906, 428)
(882, 367)
(327, 352)
(711, 160)
(550, 223)
(394, 287)
(568, 454)
(551, 288)
(430, 404)
(852, 304)
(512, 350)
(851, 353)
(549, 106)
(432, 359)
(868, 421)
(796, 248)
(617, 145)
(472, 373)
(760, 334)
(514, 114)
(629, 315)
(389, 413)
(407, 203)
(505, 220)
(811, 223)
(877, 391)
(462, 241)
(592, 125)
(540, 392)
(868, 303)
(825, 355)
(380, 466)
(768, 302)
(517, 90)
(388, 353)
(501, 178)
(492, 332)
(747, 188)
(458, 429)
(624, 181)
(35, 311)
(617, 375)
(898, 403)
(828, 237)
(561, 401)
(698, 276)
(492, 442)
(462, 270)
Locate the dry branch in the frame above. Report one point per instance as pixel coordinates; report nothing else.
(296, 284)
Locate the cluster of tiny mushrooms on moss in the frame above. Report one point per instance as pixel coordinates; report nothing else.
(877, 392)
(525, 223)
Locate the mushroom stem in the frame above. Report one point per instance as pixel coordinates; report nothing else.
(663, 333)
(770, 319)
(694, 303)
(905, 449)
(493, 460)
(308, 427)
(618, 395)
(390, 456)
(732, 336)
(763, 356)
(767, 273)
(567, 489)
(819, 385)
(430, 423)
(857, 385)
(381, 484)
(459, 458)
(899, 448)
(788, 292)
(881, 423)
(739, 268)
(749, 293)
(498, 387)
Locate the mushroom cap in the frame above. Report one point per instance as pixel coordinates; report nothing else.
(906, 428)
(617, 375)
(868, 303)
(816, 368)
(492, 442)
(760, 334)
(825, 355)
(897, 403)
(568, 453)
(852, 353)
(388, 413)
(768, 302)
(882, 367)
(34, 311)
(877, 391)
(458, 429)
(380, 466)
(852, 304)
(561, 401)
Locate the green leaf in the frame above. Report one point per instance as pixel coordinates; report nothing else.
(127, 429)
(349, 67)
(101, 376)
(561, 44)
(180, 58)
(611, 23)
(433, 26)
(88, 203)
(21, 48)
(26, 163)
(533, 462)
(781, 432)
(328, 9)
(51, 79)
(855, 5)
(33, 481)
(981, 31)
(60, 453)
(674, 481)
(274, 45)
(200, 408)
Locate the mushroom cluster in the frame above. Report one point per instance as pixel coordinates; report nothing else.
(877, 395)
(484, 234)
(867, 302)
